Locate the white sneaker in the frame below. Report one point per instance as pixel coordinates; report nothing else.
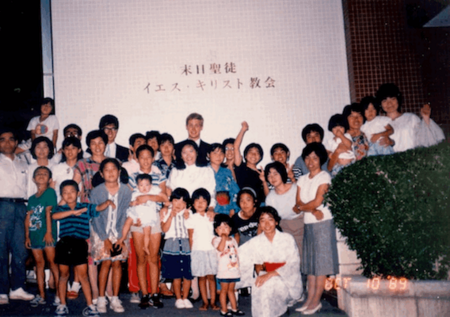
(179, 303)
(116, 305)
(62, 310)
(56, 301)
(187, 303)
(20, 294)
(4, 300)
(135, 298)
(101, 305)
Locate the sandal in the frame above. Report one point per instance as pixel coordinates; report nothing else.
(237, 312)
(227, 314)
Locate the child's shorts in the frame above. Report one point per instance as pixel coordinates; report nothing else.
(37, 242)
(71, 251)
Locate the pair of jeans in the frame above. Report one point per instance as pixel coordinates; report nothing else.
(12, 240)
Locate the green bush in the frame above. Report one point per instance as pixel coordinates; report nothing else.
(395, 212)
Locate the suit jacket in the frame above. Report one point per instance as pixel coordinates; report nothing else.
(202, 152)
(122, 153)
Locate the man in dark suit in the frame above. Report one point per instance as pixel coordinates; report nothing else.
(110, 125)
(194, 126)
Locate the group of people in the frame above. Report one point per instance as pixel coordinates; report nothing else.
(196, 216)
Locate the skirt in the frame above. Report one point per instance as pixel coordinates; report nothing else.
(320, 256)
(204, 262)
(176, 259)
(98, 252)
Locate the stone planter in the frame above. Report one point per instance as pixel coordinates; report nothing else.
(359, 296)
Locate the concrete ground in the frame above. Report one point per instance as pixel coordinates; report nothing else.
(22, 308)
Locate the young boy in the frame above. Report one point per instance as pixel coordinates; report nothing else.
(145, 212)
(40, 231)
(72, 248)
(136, 140)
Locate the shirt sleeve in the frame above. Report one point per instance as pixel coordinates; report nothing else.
(32, 124)
(92, 210)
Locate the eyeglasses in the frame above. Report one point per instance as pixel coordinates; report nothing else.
(109, 129)
(229, 149)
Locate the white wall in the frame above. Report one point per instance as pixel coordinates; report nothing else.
(107, 51)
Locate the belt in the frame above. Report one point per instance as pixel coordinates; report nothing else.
(13, 200)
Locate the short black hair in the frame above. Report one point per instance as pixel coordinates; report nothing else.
(313, 127)
(249, 191)
(224, 218)
(279, 167)
(134, 137)
(367, 100)
(144, 147)
(49, 100)
(200, 192)
(107, 120)
(166, 137)
(69, 182)
(337, 120)
(389, 90)
(270, 211)
(50, 175)
(71, 140)
(6, 129)
(215, 146)
(109, 160)
(144, 176)
(51, 148)
(153, 134)
(73, 126)
(96, 134)
(354, 107)
(317, 148)
(180, 193)
(255, 146)
(279, 146)
(228, 141)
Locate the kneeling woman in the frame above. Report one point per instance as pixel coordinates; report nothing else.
(277, 263)
(319, 242)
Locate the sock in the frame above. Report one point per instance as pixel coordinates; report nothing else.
(76, 286)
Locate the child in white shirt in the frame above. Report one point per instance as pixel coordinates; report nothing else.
(376, 127)
(46, 124)
(145, 212)
(338, 125)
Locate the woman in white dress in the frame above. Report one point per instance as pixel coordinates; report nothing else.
(409, 130)
(277, 264)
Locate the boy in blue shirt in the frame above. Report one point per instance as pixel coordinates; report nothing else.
(72, 248)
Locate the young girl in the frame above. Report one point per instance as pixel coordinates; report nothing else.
(107, 231)
(338, 126)
(247, 174)
(46, 124)
(376, 128)
(228, 271)
(203, 254)
(226, 186)
(42, 151)
(245, 221)
(176, 260)
(40, 231)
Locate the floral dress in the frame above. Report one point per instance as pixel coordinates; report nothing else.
(87, 169)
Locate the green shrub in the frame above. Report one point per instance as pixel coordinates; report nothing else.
(395, 212)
